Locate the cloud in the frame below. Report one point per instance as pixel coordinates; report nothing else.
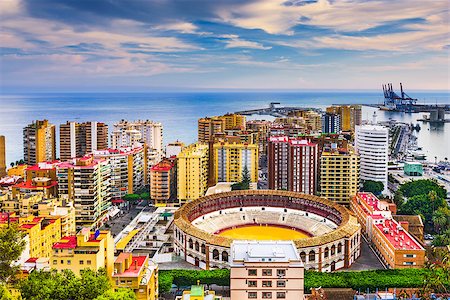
(233, 41)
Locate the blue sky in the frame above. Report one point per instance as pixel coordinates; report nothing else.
(138, 45)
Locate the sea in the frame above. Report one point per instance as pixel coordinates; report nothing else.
(179, 111)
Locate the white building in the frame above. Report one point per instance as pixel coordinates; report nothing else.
(372, 145)
(127, 133)
(266, 270)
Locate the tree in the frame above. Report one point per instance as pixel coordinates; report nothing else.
(441, 218)
(120, 294)
(145, 195)
(11, 246)
(422, 187)
(375, 187)
(4, 293)
(244, 184)
(398, 198)
(12, 165)
(424, 206)
(132, 198)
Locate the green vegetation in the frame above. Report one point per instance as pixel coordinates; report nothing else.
(4, 293)
(375, 187)
(400, 278)
(134, 198)
(11, 246)
(65, 285)
(245, 182)
(422, 187)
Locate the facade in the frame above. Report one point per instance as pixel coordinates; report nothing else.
(331, 123)
(372, 145)
(208, 127)
(339, 175)
(292, 164)
(334, 233)
(20, 203)
(192, 172)
(163, 182)
(138, 273)
(262, 128)
(266, 270)
(79, 139)
(18, 170)
(391, 239)
(234, 121)
(351, 116)
(313, 120)
(128, 169)
(39, 142)
(86, 250)
(2, 156)
(125, 134)
(86, 182)
(413, 169)
(39, 178)
(230, 160)
(43, 232)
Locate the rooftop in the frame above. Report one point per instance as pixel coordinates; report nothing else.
(137, 263)
(67, 242)
(264, 251)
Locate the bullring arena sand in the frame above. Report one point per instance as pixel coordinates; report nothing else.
(262, 232)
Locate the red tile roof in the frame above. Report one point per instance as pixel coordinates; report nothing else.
(67, 242)
(135, 268)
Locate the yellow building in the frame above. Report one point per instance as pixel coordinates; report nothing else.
(43, 232)
(233, 121)
(137, 273)
(208, 127)
(198, 292)
(2, 156)
(339, 175)
(192, 168)
(20, 203)
(163, 182)
(230, 160)
(313, 120)
(350, 115)
(86, 250)
(18, 170)
(39, 143)
(61, 208)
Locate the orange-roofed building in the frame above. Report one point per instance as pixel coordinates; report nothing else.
(137, 273)
(391, 239)
(86, 250)
(39, 178)
(162, 182)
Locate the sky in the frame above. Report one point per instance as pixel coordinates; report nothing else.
(144, 45)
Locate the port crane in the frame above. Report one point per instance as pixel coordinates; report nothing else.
(393, 101)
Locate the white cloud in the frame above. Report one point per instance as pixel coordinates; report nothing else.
(236, 42)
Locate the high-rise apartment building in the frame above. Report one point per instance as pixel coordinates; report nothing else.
(230, 160)
(292, 164)
(208, 127)
(79, 139)
(174, 148)
(351, 115)
(2, 156)
(234, 121)
(128, 169)
(192, 172)
(313, 119)
(339, 175)
(39, 142)
(86, 181)
(126, 134)
(331, 123)
(372, 145)
(163, 182)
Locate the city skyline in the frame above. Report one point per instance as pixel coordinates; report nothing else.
(190, 45)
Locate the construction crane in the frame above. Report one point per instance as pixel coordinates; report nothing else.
(393, 101)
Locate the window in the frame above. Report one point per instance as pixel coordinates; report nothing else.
(267, 295)
(55, 262)
(69, 262)
(216, 254)
(326, 254)
(252, 295)
(281, 283)
(267, 283)
(81, 262)
(312, 255)
(88, 262)
(62, 261)
(225, 256)
(252, 272)
(252, 283)
(267, 272)
(281, 295)
(281, 272)
(339, 248)
(203, 247)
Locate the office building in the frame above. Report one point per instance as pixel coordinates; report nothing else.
(339, 175)
(372, 145)
(350, 116)
(292, 164)
(230, 160)
(163, 182)
(39, 143)
(86, 250)
(2, 156)
(266, 270)
(138, 273)
(79, 139)
(86, 182)
(393, 243)
(126, 134)
(128, 169)
(331, 123)
(192, 172)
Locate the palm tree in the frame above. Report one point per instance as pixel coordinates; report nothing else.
(12, 165)
(440, 219)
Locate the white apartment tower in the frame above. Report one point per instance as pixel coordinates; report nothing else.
(126, 134)
(372, 145)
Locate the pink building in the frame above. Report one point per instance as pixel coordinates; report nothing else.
(266, 270)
